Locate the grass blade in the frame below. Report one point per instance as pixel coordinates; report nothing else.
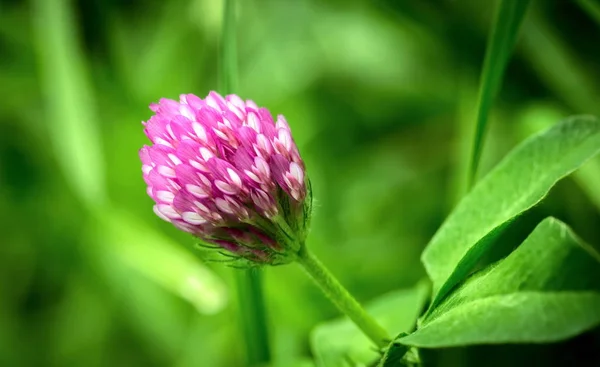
(228, 68)
(509, 16)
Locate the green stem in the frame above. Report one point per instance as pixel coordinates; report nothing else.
(342, 299)
(502, 38)
(253, 319)
(249, 282)
(228, 71)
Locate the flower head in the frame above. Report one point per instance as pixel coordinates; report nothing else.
(225, 171)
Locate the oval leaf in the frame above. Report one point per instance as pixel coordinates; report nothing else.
(516, 184)
(525, 317)
(548, 289)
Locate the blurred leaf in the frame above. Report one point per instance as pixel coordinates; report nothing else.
(207, 15)
(74, 130)
(339, 343)
(547, 290)
(558, 66)
(12, 350)
(467, 92)
(299, 362)
(77, 334)
(271, 70)
(205, 341)
(516, 184)
(72, 121)
(158, 258)
(502, 38)
(152, 54)
(592, 8)
(379, 48)
(146, 309)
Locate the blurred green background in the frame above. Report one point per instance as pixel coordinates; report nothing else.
(381, 98)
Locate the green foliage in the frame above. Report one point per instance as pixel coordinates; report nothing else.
(339, 343)
(123, 238)
(548, 289)
(72, 121)
(372, 91)
(516, 184)
(522, 317)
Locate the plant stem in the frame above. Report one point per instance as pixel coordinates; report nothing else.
(249, 282)
(228, 70)
(502, 38)
(253, 319)
(342, 298)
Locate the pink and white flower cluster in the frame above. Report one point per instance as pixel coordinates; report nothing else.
(220, 164)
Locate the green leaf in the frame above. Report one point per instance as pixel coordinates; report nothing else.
(516, 184)
(547, 290)
(339, 343)
(535, 119)
(524, 317)
(71, 119)
(394, 355)
(509, 15)
(139, 247)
